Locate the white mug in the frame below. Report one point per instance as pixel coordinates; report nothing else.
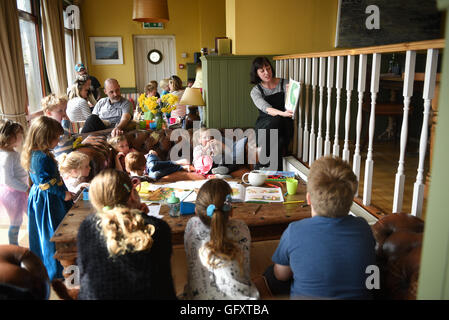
(255, 178)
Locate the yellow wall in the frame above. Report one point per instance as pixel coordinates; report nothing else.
(212, 15)
(192, 27)
(282, 27)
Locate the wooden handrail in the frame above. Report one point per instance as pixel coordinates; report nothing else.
(398, 47)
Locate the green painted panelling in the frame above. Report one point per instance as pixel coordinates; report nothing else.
(227, 92)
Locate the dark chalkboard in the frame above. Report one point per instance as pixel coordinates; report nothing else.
(398, 21)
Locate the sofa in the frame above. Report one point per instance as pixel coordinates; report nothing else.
(102, 155)
(22, 275)
(398, 252)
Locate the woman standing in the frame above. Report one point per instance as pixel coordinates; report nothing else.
(268, 95)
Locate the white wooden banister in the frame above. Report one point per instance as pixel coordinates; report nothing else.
(312, 125)
(314, 132)
(349, 87)
(330, 84)
(409, 77)
(428, 94)
(319, 140)
(357, 160)
(369, 163)
(305, 152)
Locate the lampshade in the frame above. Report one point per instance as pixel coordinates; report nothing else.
(150, 10)
(192, 97)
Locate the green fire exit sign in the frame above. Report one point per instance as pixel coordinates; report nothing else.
(153, 25)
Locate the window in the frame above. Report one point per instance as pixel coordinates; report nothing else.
(24, 5)
(69, 54)
(31, 53)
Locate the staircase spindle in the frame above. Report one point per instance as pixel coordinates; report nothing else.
(349, 87)
(361, 90)
(410, 61)
(312, 126)
(305, 154)
(369, 163)
(338, 86)
(428, 94)
(278, 71)
(319, 140)
(301, 107)
(330, 84)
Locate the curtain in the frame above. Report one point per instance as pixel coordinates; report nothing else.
(54, 45)
(79, 41)
(13, 89)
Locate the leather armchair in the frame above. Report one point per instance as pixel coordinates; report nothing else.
(398, 252)
(22, 274)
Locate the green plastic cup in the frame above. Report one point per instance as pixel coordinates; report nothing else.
(292, 186)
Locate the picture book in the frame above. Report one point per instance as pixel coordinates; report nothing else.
(279, 175)
(160, 193)
(255, 194)
(292, 96)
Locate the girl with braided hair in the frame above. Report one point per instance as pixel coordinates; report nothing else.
(123, 253)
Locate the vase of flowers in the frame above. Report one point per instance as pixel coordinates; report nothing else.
(154, 108)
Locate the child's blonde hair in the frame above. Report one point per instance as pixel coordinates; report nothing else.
(114, 141)
(135, 161)
(72, 161)
(51, 101)
(332, 186)
(164, 84)
(150, 87)
(9, 131)
(215, 192)
(41, 134)
(123, 229)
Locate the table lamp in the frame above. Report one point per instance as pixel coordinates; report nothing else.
(192, 98)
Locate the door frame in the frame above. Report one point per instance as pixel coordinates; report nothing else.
(152, 36)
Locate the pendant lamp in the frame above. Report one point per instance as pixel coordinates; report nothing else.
(150, 11)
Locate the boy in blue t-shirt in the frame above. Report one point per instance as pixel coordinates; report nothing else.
(325, 256)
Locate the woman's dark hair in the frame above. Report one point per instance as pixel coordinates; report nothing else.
(258, 63)
(177, 83)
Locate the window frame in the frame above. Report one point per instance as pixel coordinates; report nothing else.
(34, 18)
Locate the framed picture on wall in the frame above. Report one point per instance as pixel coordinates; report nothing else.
(106, 50)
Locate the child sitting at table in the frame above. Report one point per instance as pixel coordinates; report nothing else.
(122, 252)
(74, 168)
(325, 256)
(217, 248)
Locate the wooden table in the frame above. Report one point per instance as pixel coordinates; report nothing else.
(267, 224)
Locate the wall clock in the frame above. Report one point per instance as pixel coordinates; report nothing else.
(154, 56)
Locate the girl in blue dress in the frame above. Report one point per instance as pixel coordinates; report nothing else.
(48, 200)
